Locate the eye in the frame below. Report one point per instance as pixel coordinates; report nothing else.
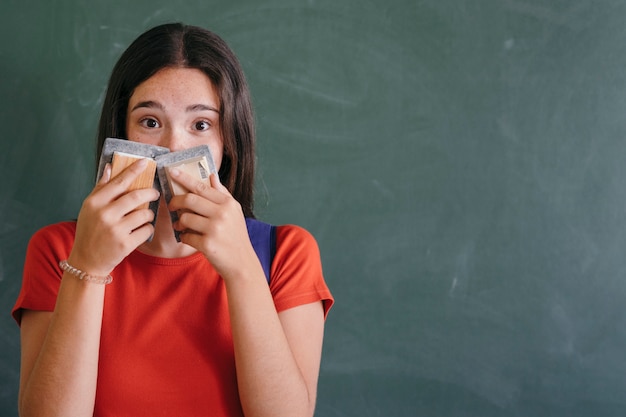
(149, 123)
(202, 125)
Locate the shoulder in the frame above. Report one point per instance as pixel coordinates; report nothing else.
(59, 236)
(297, 253)
(297, 276)
(295, 237)
(61, 230)
(41, 274)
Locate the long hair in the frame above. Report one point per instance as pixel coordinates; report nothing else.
(178, 45)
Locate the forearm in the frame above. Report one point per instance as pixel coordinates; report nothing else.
(270, 381)
(62, 380)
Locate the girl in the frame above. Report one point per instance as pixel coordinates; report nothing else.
(184, 329)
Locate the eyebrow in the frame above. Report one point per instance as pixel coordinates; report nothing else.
(156, 105)
(201, 107)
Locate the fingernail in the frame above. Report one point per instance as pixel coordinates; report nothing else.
(174, 172)
(107, 172)
(142, 163)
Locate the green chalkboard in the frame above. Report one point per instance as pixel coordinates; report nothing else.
(462, 164)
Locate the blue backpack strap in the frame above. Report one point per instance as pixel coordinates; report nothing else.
(263, 238)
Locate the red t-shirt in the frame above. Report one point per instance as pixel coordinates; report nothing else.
(166, 345)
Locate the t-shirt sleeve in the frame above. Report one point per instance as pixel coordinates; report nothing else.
(42, 276)
(296, 273)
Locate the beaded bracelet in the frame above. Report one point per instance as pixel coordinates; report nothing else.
(83, 275)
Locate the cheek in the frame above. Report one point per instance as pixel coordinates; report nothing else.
(130, 134)
(133, 135)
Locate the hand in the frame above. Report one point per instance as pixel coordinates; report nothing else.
(212, 222)
(110, 225)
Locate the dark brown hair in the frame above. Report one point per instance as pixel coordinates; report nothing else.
(178, 45)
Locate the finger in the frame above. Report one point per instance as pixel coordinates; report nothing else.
(194, 240)
(217, 184)
(137, 218)
(192, 222)
(138, 236)
(189, 182)
(133, 199)
(128, 175)
(194, 203)
(131, 229)
(106, 174)
(143, 233)
(118, 185)
(129, 224)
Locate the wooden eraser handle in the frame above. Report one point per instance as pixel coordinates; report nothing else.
(121, 161)
(196, 167)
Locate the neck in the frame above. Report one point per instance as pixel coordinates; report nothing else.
(163, 243)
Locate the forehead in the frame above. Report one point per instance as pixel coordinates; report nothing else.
(177, 86)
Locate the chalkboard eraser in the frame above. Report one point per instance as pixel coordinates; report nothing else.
(114, 145)
(125, 153)
(197, 162)
(197, 167)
